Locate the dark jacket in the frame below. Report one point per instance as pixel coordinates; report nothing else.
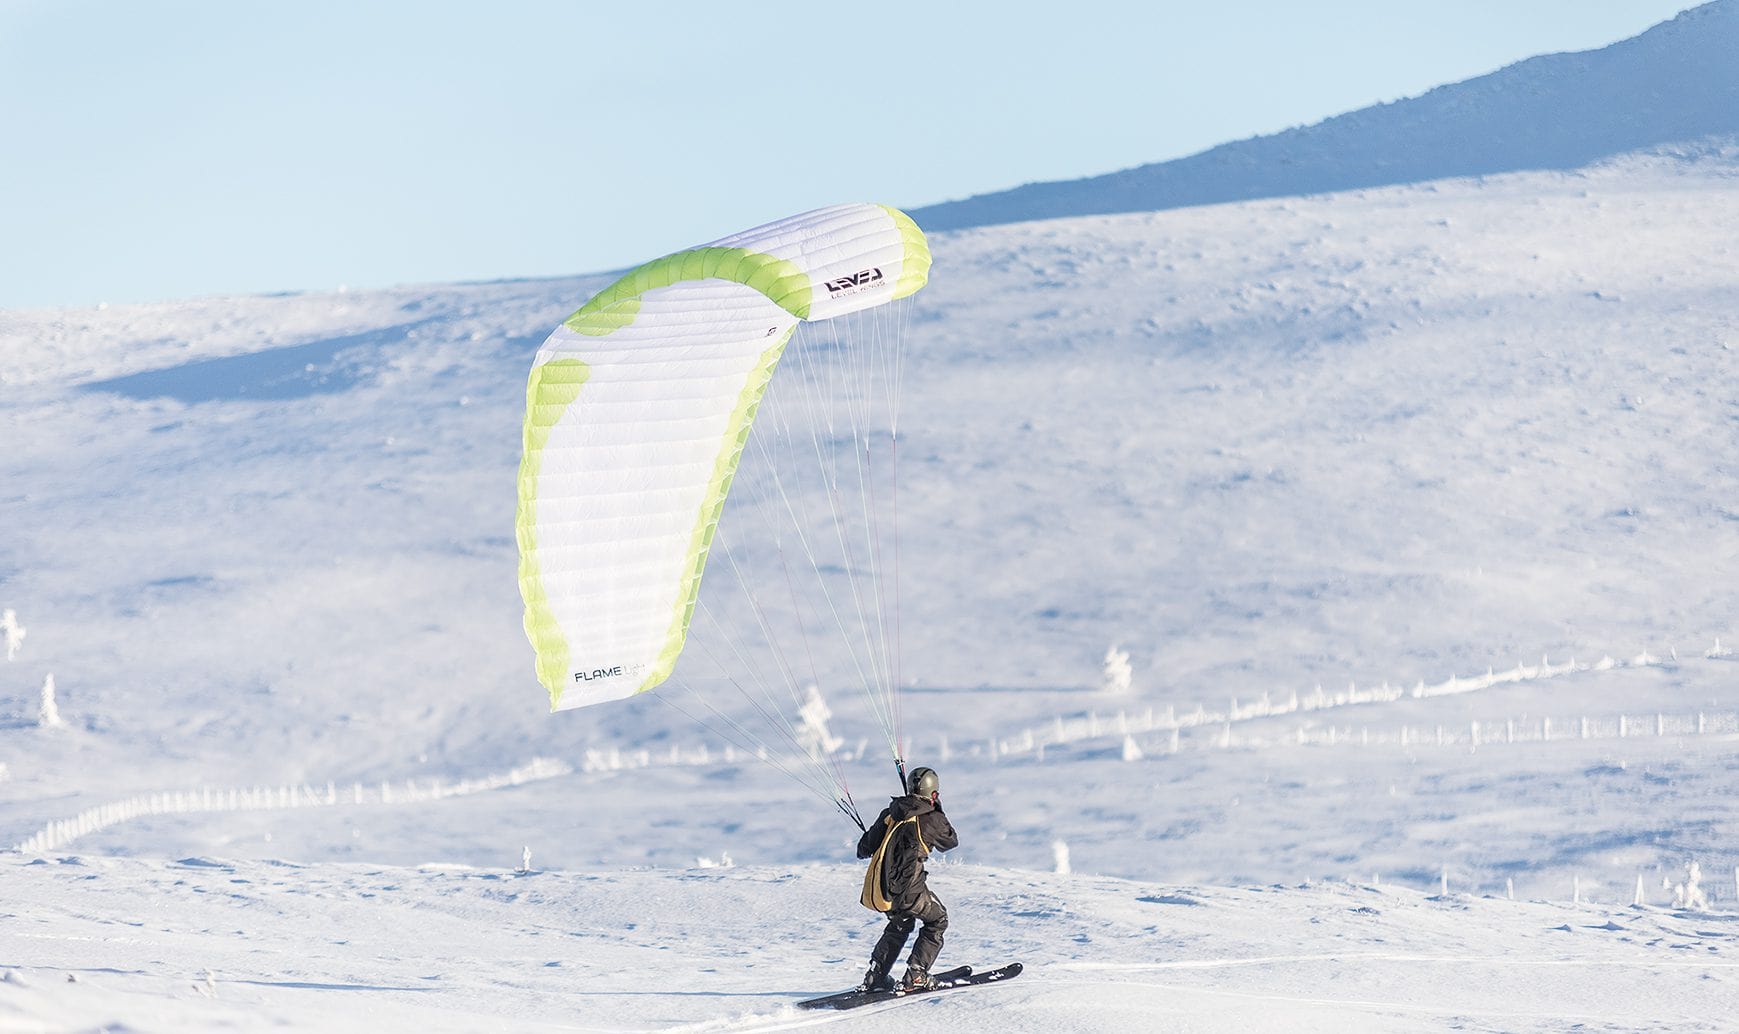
(903, 877)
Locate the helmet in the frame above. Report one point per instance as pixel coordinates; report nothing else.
(923, 782)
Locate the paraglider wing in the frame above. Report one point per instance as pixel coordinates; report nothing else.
(637, 410)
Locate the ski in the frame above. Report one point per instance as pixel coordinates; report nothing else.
(832, 1001)
(945, 981)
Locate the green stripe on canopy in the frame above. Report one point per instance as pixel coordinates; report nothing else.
(781, 280)
(553, 387)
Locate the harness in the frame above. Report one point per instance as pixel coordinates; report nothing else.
(874, 898)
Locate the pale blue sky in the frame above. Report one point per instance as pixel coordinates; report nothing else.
(160, 150)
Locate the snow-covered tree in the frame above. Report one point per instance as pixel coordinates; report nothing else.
(13, 631)
(1689, 894)
(1060, 852)
(1118, 674)
(48, 714)
(813, 735)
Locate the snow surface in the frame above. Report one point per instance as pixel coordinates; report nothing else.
(1413, 508)
(200, 943)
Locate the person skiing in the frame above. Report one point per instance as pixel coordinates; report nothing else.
(905, 833)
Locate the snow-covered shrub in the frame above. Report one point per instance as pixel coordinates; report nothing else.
(1118, 675)
(813, 735)
(48, 713)
(1689, 894)
(1060, 852)
(13, 631)
(1131, 752)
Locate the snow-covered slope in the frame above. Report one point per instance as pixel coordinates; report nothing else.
(1307, 459)
(199, 944)
(1674, 84)
(1396, 435)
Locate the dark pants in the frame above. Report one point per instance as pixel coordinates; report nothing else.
(924, 952)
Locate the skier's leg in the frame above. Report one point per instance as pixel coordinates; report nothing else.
(929, 942)
(893, 940)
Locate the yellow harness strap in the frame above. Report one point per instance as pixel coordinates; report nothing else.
(873, 898)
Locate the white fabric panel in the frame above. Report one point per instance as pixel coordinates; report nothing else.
(626, 471)
(830, 243)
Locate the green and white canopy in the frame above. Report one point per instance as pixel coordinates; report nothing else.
(637, 411)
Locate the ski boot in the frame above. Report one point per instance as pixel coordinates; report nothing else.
(876, 979)
(916, 979)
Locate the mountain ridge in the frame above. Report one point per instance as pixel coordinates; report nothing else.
(1675, 83)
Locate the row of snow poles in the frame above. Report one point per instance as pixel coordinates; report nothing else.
(1531, 729)
(1063, 731)
(59, 833)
